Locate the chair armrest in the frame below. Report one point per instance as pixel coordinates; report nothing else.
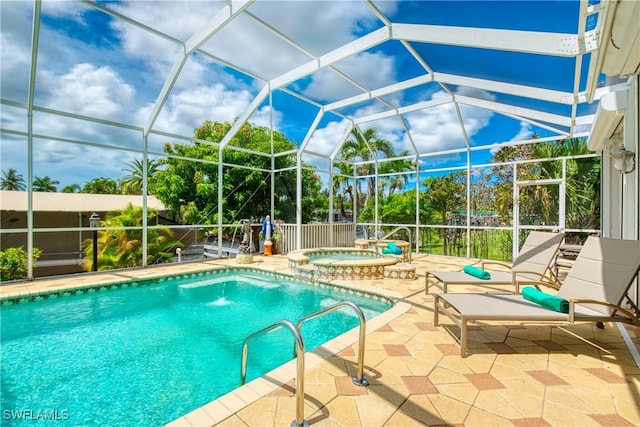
(625, 313)
(483, 263)
(536, 283)
(550, 280)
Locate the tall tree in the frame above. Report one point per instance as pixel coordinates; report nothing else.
(343, 187)
(189, 189)
(367, 147)
(12, 181)
(582, 196)
(502, 175)
(446, 194)
(582, 192)
(45, 184)
(101, 186)
(132, 182)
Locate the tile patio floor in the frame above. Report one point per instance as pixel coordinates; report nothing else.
(516, 375)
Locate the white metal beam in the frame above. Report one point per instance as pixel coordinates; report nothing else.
(463, 128)
(377, 116)
(245, 116)
(511, 89)
(511, 109)
(338, 146)
(224, 16)
(538, 124)
(311, 130)
(565, 98)
(404, 110)
(359, 45)
(543, 43)
(396, 87)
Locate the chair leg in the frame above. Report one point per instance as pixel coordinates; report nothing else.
(436, 310)
(463, 337)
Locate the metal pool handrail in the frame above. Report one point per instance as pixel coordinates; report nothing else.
(359, 379)
(299, 421)
(401, 227)
(299, 353)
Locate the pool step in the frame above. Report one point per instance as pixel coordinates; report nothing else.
(400, 271)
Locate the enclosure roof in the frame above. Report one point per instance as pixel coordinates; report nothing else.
(430, 76)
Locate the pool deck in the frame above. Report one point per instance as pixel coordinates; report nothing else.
(516, 375)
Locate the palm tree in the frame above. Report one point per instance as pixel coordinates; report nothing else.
(122, 248)
(72, 188)
(12, 181)
(367, 147)
(45, 184)
(582, 180)
(101, 185)
(132, 183)
(342, 186)
(399, 181)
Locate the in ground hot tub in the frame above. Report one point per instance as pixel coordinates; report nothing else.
(339, 264)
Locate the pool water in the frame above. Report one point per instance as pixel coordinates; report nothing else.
(148, 354)
(341, 256)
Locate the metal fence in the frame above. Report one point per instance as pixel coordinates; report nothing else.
(316, 236)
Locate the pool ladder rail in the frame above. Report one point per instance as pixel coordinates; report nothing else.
(358, 380)
(392, 232)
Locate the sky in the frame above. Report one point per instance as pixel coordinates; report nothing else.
(91, 64)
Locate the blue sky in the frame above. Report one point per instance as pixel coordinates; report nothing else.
(91, 64)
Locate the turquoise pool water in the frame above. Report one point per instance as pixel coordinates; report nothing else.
(341, 256)
(149, 353)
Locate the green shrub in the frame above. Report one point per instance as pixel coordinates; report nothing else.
(13, 263)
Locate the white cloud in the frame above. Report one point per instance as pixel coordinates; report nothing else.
(14, 50)
(361, 68)
(334, 22)
(90, 91)
(438, 128)
(187, 109)
(523, 134)
(77, 164)
(93, 86)
(326, 85)
(63, 9)
(324, 140)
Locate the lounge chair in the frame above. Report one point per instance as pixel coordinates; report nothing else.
(595, 288)
(533, 263)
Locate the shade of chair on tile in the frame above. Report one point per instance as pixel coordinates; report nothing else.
(533, 263)
(596, 288)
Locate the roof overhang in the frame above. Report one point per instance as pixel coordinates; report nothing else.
(622, 43)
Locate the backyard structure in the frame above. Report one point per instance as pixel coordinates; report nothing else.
(592, 49)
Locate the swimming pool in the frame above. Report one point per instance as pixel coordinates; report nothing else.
(146, 352)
